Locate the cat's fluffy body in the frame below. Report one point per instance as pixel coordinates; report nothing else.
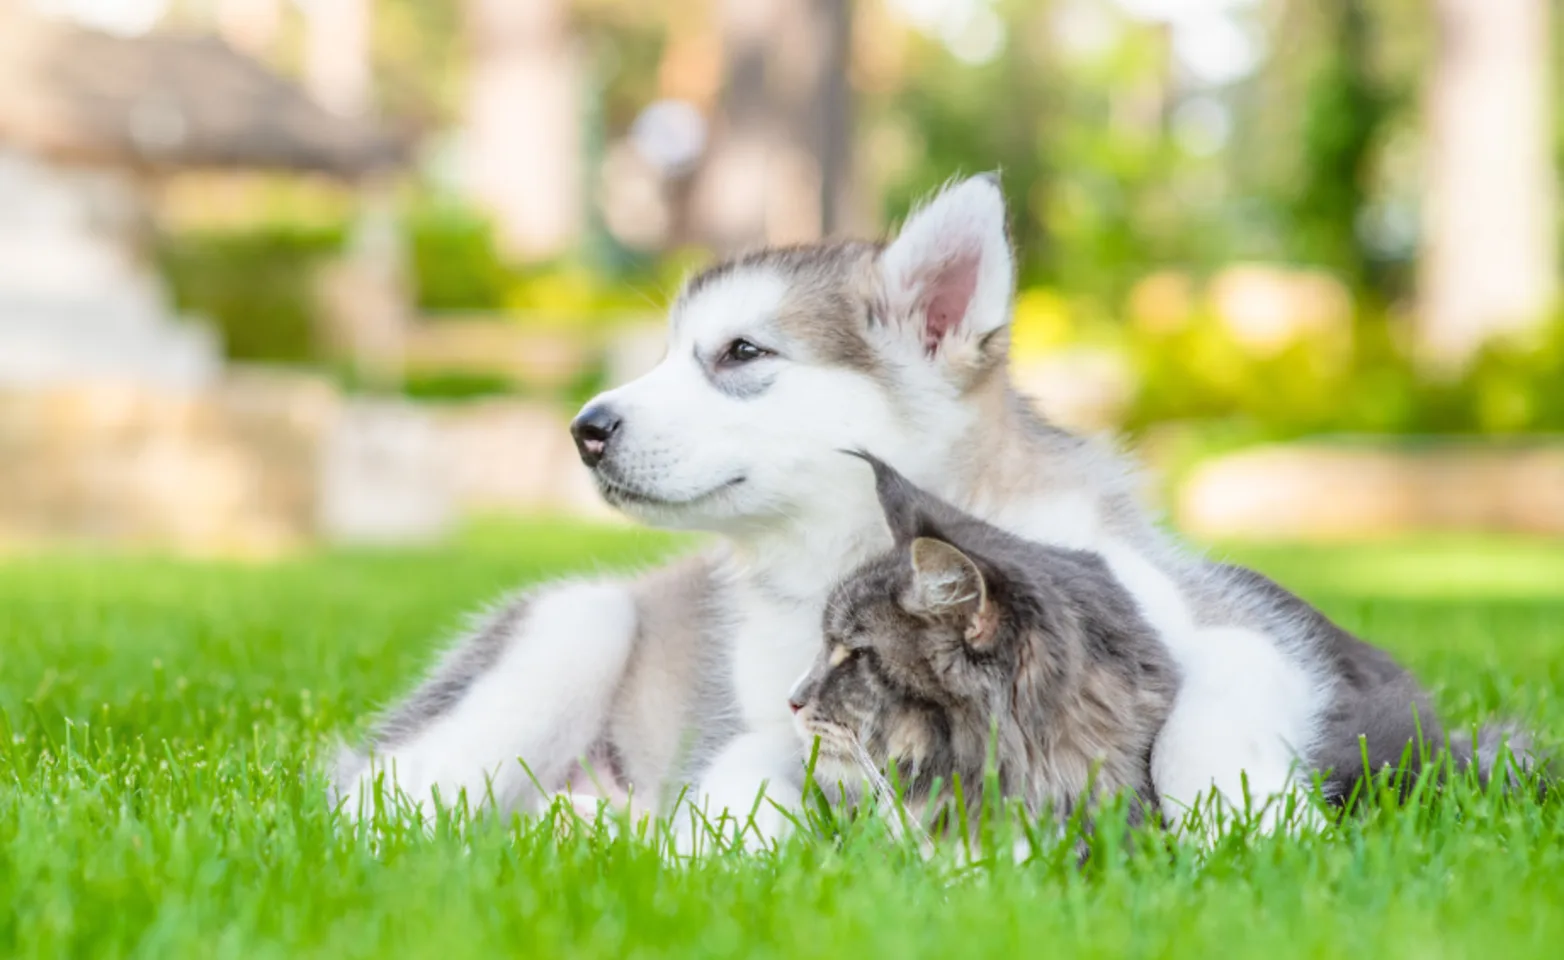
(963, 645)
(964, 649)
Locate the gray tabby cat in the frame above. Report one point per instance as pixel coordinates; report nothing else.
(962, 638)
(963, 635)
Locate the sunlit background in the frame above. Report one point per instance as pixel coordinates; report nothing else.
(278, 272)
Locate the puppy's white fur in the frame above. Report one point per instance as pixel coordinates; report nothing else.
(577, 639)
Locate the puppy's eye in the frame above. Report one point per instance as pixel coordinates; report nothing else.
(742, 351)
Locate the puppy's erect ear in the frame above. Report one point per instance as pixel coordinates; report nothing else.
(948, 276)
(947, 584)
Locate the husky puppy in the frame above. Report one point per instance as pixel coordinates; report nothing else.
(777, 361)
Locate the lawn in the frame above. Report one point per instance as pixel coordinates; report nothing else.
(162, 719)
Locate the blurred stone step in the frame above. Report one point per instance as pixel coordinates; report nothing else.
(383, 476)
(515, 456)
(264, 460)
(48, 264)
(86, 313)
(37, 351)
(230, 469)
(1349, 491)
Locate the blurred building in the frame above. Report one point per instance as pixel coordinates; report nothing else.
(88, 124)
(118, 419)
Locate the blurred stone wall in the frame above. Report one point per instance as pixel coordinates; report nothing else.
(263, 463)
(76, 302)
(228, 469)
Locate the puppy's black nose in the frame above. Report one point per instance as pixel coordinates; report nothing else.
(592, 430)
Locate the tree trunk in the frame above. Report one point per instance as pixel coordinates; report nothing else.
(522, 150)
(1488, 265)
(780, 167)
(336, 54)
(252, 26)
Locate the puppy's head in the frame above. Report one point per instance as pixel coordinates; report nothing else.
(780, 359)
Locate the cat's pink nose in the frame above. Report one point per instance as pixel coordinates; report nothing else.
(794, 705)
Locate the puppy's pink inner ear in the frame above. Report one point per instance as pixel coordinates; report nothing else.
(949, 295)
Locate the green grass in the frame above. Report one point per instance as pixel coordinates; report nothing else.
(161, 723)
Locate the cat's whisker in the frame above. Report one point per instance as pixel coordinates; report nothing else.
(887, 801)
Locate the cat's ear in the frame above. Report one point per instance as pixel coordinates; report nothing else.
(949, 274)
(947, 584)
(903, 504)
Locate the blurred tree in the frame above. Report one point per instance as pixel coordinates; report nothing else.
(1324, 153)
(336, 53)
(250, 25)
(1125, 197)
(1343, 113)
(779, 167)
(627, 41)
(1490, 245)
(966, 118)
(419, 62)
(523, 112)
(1100, 192)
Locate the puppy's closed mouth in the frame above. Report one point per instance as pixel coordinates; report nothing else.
(619, 493)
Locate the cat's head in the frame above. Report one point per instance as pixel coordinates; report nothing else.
(916, 648)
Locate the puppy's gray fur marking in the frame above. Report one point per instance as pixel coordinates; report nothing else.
(462, 664)
(453, 676)
(831, 297)
(675, 668)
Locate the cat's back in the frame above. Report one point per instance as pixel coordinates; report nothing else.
(1110, 616)
(1126, 680)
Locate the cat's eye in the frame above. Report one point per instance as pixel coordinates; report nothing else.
(742, 351)
(841, 653)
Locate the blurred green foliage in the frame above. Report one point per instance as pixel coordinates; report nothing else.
(457, 267)
(435, 386)
(454, 261)
(1343, 114)
(458, 386)
(1116, 162)
(949, 138)
(417, 50)
(455, 385)
(254, 285)
(1098, 189)
(1318, 384)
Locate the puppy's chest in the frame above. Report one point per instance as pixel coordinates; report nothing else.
(773, 643)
